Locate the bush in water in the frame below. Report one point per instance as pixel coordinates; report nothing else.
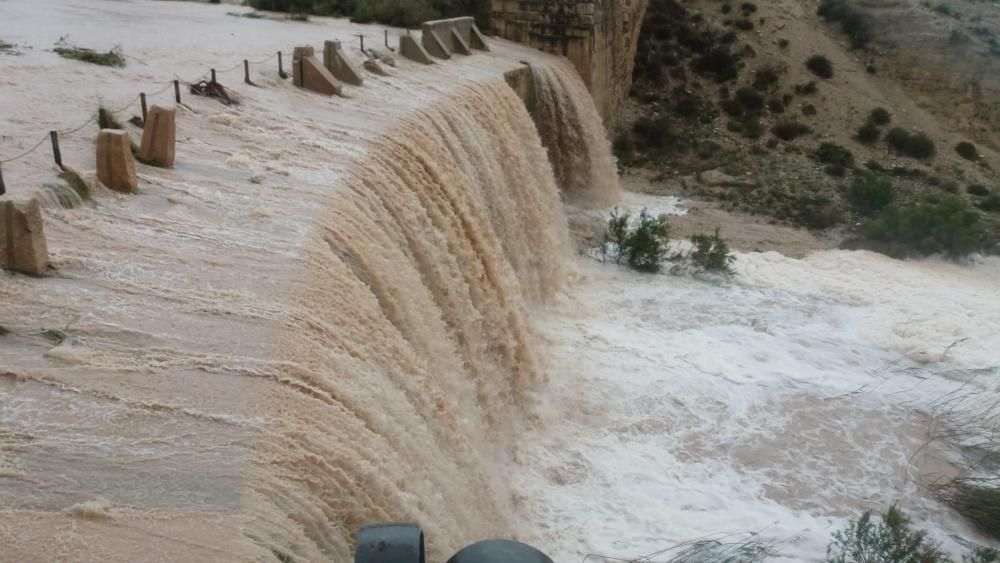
(892, 540)
(642, 246)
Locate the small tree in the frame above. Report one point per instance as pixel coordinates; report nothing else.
(889, 541)
(967, 151)
(642, 246)
(711, 254)
(870, 192)
(880, 116)
(820, 66)
(949, 226)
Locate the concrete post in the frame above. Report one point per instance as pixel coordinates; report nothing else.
(115, 164)
(433, 43)
(336, 61)
(310, 74)
(22, 239)
(410, 49)
(159, 137)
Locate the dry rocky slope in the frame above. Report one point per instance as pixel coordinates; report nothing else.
(725, 109)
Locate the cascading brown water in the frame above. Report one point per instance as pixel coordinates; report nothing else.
(571, 130)
(377, 369)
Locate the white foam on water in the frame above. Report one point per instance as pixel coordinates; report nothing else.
(781, 403)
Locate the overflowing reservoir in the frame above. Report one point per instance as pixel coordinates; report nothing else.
(334, 311)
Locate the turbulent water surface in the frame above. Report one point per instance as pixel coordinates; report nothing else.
(335, 311)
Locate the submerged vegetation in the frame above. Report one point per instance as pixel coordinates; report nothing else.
(113, 58)
(892, 539)
(642, 244)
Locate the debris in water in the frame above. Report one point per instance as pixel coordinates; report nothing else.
(213, 90)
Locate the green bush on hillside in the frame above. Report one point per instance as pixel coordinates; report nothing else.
(870, 192)
(820, 66)
(880, 116)
(856, 24)
(915, 145)
(950, 227)
(868, 134)
(832, 153)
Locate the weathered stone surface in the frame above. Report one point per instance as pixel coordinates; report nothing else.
(309, 73)
(115, 164)
(22, 239)
(339, 64)
(434, 44)
(719, 179)
(409, 48)
(599, 36)
(159, 137)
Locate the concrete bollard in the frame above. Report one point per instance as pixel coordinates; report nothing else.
(336, 61)
(22, 239)
(434, 43)
(309, 73)
(159, 137)
(409, 48)
(115, 164)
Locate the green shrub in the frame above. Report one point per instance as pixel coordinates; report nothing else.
(809, 110)
(815, 211)
(114, 57)
(891, 540)
(710, 254)
(720, 63)
(978, 189)
(832, 153)
(401, 13)
(651, 133)
(880, 116)
(750, 99)
(726, 8)
(820, 66)
(950, 227)
(775, 105)
(967, 151)
(642, 246)
(868, 134)
(789, 130)
(916, 145)
(745, 25)
(990, 204)
(870, 192)
(806, 89)
(977, 500)
(766, 77)
(732, 106)
(853, 22)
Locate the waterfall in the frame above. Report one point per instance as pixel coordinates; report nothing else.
(572, 131)
(373, 360)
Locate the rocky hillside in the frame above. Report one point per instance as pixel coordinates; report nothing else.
(830, 115)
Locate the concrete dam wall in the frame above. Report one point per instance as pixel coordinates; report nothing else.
(319, 317)
(598, 36)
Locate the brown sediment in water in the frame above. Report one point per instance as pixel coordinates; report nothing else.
(371, 362)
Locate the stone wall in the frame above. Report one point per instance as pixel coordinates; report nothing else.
(599, 36)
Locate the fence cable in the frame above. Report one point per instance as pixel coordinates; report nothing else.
(134, 100)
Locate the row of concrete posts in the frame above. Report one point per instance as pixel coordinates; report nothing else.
(22, 237)
(439, 39)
